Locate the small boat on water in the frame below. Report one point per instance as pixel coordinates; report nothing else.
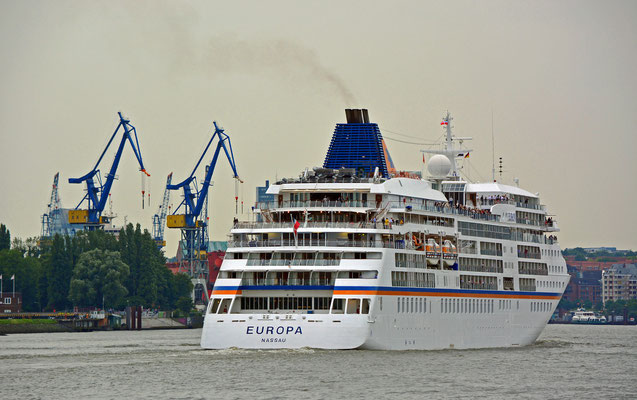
(581, 316)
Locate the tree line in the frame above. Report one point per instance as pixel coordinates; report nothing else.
(91, 269)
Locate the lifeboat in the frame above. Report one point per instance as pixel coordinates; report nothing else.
(418, 245)
(449, 253)
(432, 250)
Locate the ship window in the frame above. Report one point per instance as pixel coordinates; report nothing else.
(380, 303)
(353, 306)
(365, 306)
(338, 306)
(398, 305)
(224, 306)
(214, 306)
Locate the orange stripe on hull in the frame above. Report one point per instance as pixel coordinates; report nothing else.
(235, 292)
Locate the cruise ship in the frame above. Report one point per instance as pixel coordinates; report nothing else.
(358, 255)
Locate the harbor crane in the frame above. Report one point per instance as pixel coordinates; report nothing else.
(51, 219)
(160, 218)
(194, 226)
(97, 191)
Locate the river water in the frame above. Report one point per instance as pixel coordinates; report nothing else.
(567, 362)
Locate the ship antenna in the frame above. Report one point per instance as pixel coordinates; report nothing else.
(492, 150)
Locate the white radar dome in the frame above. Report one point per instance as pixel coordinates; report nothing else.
(439, 166)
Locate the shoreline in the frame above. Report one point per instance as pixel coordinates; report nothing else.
(54, 326)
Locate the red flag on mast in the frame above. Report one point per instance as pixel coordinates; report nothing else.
(297, 224)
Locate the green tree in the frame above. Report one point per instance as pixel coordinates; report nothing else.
(632, 308)
(182, 287)
(26, 272)
(60, 270)
(98, 277)
(567, 305)
(5, 238)
(184, 304)
(615, 307)
(147, 281)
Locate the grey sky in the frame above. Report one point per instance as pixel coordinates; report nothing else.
(559, 77)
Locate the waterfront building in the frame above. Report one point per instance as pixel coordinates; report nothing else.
(619, 282)
(585, 285)
(10, 302)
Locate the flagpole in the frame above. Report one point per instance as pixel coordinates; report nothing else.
(13, 279)
(0, 285)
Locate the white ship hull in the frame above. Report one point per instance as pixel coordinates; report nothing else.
(432, 329)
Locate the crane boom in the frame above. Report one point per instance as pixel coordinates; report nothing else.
(160, 217)
(97, 193)
(194, 198)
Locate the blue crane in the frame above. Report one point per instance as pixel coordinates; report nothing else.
(97, 192)
(194, 228)
(160, 217)
(194, 197)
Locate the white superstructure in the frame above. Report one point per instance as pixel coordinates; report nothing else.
(341, 262)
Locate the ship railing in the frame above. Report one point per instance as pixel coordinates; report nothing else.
(550, 240)
(309, 224)
(535, 256)
(531, 206)
(440, 207)
(527, 237)
(525, 221)
(287, 282)
(478, 285)
(444, 208)
(413, 283)
(528, 288)
(490, 252)
(492, 202)
(312, 204)
(533, 271)
(299, 262)
(479, 268)
(398, 244)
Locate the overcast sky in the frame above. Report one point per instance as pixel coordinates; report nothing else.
(559, 77)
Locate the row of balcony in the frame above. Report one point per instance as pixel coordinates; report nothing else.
(287, 282)
(310, 224)
(399, 244)
(440, 207)
(301, 262)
